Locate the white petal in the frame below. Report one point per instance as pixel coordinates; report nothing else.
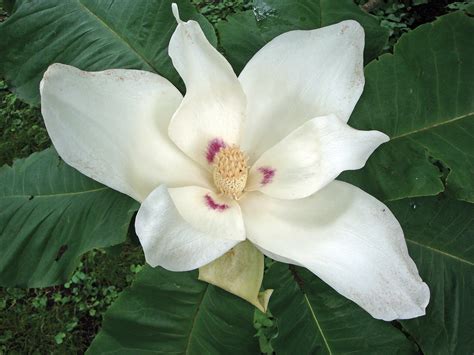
(348, 239)
(212, 110)
(300, 75)
(204, 210)
(168, 240)
(312, 156)
(112, 127)
(277, 257)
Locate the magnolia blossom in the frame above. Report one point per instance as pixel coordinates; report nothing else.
(250, 158)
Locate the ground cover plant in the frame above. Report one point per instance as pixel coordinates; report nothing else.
(424, 175)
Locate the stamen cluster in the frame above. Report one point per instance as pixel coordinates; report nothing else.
(231, 171)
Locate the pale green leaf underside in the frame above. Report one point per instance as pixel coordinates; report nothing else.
(166, 312)
(50, 215)
(90, 35)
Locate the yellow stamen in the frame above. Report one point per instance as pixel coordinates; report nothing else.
(231, 171)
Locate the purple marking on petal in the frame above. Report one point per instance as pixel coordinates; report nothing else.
(268, 174)
(213, 148)
(214, 205)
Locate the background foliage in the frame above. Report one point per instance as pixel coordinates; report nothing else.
(425, 85)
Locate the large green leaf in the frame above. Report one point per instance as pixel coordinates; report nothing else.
(312, 318)
(173, 313)
(422, 97)
(245, 33)
(90, 35)
(50, 214)
(440, 237)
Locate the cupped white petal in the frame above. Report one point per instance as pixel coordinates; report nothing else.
(207, 212)
(168, 240)
(277, 257)
(347, 238)
(312, 156)
(112, 127)
(213, 108)
(300, 75)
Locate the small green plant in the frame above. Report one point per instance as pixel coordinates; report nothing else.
(460, 5)
(217, 10)
(267, 330)
(67, 317)
(399, 17)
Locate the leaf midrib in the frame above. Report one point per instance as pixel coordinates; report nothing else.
(313, 314)
(435, 125)
(56, 195)
(104, 24)
(193, 325)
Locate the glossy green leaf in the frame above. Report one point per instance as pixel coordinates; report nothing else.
(440, 238)
(90, 35)
(245, 33)
(168, 312)
(312, 318)
(50, 215)
(422, 97)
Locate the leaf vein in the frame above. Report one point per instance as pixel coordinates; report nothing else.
(128, 44)
(317, 323)
(440, 252)
(452, 120)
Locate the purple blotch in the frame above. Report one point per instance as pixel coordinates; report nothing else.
(267, 174)
(213, 148)
(214, 205)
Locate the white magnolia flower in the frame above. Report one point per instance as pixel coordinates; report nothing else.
(253, 158)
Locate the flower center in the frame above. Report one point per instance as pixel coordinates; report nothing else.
(230, 171)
